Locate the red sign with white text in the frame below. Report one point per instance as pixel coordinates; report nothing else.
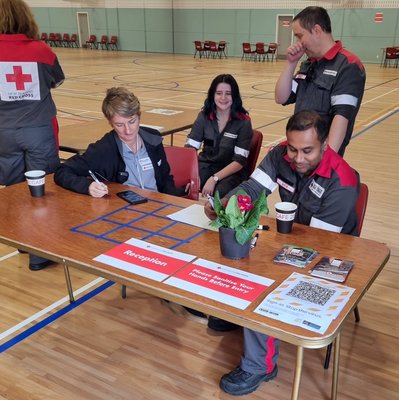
(146, 258)
(225, 283)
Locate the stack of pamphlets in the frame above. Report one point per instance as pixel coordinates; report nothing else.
(298, 256)
(332, 268)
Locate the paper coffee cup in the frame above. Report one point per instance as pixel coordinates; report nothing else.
(36, 180)
(285, 215)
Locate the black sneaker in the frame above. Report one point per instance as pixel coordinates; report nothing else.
(196, 313)
(239, 382)
(220, 325)
(186, 312)
(38, 267)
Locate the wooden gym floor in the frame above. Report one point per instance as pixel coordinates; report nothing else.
(109, 348)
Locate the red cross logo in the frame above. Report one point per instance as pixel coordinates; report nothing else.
(19, 78)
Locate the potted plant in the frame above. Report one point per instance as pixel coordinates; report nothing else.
(237, 221)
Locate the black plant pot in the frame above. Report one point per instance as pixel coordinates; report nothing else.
(229, 246)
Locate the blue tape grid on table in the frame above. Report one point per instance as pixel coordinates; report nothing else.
(128, 219)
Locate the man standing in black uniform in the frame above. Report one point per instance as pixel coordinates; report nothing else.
(331, 81)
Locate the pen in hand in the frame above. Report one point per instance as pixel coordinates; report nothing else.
(97, 191)
(94, 178)
(210, 199)
(254, 240)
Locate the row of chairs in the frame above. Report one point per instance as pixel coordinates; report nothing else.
(260, 52)
(103, 43)
(56, 40)
(210, 49)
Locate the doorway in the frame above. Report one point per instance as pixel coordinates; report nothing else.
(83, 27)
(284, 34)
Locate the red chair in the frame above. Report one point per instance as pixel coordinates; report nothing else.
(74, 40)
(360, 209)
(222, 49)
(113, 43)
(199, 48)
(51, 39)
(44, 37)
(271, 50)
(206, 48)
(66, 40)
(103, 42)
(391, 54)
(260, 51)
(58, 40)
(92, 42)
(247, 51)
(213, 49)
(254, 150)
(183, 162)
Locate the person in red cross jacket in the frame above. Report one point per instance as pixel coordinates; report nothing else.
(29, 69)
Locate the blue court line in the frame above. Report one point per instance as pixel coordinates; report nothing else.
(30, 331)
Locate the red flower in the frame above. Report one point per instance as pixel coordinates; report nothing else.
(244, 203)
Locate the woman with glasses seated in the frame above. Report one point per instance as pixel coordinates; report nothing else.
(128, 154)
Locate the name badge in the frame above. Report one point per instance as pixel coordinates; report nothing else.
(316, 189)
(145, 163)
(285, 185)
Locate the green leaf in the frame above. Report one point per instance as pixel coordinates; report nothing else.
(242, 235)
(232, 207)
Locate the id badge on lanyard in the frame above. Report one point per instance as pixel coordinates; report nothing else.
(145, 164)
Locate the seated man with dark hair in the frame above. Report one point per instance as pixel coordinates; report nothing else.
(325, 188)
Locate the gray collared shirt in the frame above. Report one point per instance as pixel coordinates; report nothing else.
(138, 166)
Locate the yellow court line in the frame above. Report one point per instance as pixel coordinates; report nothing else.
(377, 116)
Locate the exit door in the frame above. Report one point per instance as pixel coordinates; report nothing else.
(284, 34)
(83, 27)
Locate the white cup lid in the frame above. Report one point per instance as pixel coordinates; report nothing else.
(285, 206)
(34, 173)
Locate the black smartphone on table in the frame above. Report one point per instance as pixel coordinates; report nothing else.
(132, 197)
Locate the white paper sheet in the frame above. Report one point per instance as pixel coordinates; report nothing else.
(193, 215)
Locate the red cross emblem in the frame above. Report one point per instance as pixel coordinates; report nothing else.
(18, 77)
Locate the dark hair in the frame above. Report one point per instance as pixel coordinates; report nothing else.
(310, 16)
(304, 120)
(236, 107)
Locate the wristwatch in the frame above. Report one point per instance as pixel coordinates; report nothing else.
(215, 178)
